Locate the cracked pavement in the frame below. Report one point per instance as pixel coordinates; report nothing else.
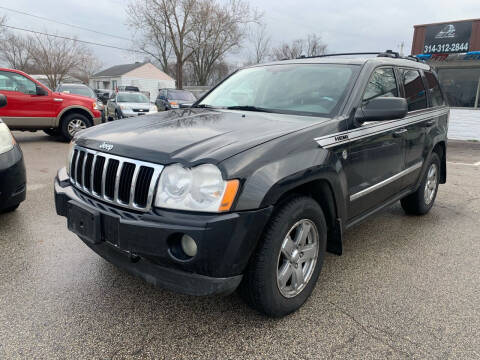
(406, 287)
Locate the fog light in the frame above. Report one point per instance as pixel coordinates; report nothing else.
(189, 246)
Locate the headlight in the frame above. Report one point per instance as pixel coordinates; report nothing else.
(153, 109)
(70, 155)
(201, 188)
(95, 106)
(6, 139)
(123, 107)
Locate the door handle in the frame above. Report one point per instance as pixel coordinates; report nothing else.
(429, 123)
(399, 133)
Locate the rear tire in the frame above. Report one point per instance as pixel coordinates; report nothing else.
(73, 123)
(282, 273)
(52, 132)
(421, 201)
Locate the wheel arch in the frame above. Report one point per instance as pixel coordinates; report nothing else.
(74, 109)
(441, 149)
(322, 190)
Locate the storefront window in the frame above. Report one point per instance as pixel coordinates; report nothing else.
(461, 86)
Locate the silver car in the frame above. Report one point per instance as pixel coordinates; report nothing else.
(127, 104)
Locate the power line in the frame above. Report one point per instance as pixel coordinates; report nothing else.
(62, 23)
(73, 39)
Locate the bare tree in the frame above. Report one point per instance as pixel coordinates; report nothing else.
(56, 57)
(311, 46)
(89, 65)
(143, 15)
(219, 29)
(182, 29)
(14, 50)
(261, 44)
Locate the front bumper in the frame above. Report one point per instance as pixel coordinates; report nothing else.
(141, 243)
(12, 178)
(130, 113)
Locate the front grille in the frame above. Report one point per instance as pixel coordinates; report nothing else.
(114, 179)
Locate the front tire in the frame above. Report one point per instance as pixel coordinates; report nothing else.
(10, 209)
(284, 270)
(421, 201)
(73, 123)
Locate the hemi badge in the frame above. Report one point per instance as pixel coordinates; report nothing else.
(341, 137)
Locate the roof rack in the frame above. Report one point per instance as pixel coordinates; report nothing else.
(387, 53)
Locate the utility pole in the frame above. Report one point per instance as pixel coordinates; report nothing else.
(401, 46)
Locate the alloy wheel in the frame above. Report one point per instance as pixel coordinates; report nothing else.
(297, 258)
(431, 184)
(76, 125)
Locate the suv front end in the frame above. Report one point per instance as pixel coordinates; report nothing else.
(131, 213)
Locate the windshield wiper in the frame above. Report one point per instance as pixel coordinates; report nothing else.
(204, 106)
(247, 108)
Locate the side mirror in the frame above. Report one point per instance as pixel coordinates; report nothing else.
(41, 91)
(3, 101)
(382, 108)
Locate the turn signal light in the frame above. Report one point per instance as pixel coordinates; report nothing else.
(229, 196)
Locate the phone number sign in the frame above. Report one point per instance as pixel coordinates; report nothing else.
(448, 38)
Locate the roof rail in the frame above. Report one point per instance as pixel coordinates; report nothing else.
(386, 53)
(338, 54)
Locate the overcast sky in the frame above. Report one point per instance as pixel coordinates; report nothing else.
(345, 25)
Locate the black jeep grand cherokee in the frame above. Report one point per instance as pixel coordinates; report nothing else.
(251, 186)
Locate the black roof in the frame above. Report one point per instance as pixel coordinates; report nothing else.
(118, 70)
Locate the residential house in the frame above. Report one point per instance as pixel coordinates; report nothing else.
(146, 76)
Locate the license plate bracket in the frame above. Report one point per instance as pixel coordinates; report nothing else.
(84, 222)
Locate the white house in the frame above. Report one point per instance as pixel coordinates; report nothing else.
(146, 76)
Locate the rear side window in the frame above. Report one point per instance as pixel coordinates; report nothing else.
(434, 89)
(382, 84)
(414, 89)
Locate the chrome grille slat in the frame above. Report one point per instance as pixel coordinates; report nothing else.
(104, 176)
(83, 168)
(92, 175)
(117, 180)
(123, 177)
(131, 203)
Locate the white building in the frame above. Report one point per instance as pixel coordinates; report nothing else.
(146, 76)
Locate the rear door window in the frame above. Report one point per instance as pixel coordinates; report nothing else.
(415, 93)
(382, 83)
(434, 89)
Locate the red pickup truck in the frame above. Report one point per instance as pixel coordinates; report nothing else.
(32, 106)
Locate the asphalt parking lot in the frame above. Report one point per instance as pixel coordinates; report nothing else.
(406, 287)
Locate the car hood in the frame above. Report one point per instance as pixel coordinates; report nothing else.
(76, 97)
(192, 136)
(129, 105)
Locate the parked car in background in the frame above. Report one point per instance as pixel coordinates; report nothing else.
(168, 99)
(32, 106)
(13, 180)
(128, 88)
(103, 95)
(83, 90)
(127, 104)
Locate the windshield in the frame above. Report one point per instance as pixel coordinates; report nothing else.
(77, 90)
(304, 89)
(132, 98)
(180, 95)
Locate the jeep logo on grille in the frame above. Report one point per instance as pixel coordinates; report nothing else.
(105, 146)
